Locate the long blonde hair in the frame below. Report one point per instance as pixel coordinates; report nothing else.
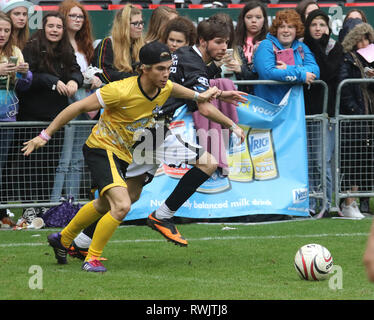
(122, 42)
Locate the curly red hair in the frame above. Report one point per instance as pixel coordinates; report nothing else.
(84, 36)
(290, 16)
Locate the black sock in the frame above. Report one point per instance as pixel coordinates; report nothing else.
(89, 231)
(186, 187)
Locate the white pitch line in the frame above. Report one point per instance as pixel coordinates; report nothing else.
(321, 235)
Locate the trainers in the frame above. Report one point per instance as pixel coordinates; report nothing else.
(81, 253)
(93, 265)
(77, 252)
(167, 229)
(54, 240)
(351, 211)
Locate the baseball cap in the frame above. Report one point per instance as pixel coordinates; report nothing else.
(8, 5)
(154, 52)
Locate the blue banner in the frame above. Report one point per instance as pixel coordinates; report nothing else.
(268, 172)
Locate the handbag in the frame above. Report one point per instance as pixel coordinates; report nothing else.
(60, 216)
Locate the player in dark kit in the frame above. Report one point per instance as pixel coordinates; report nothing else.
(193, 66)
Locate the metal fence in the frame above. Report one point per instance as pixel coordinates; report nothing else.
(49, 173)
(354, 156)
(58, 169)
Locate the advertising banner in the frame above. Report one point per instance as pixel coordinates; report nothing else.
(267, 173)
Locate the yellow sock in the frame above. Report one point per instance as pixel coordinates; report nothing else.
(103, 232)
(84, 217)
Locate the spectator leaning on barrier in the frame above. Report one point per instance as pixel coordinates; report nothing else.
(118, 54)
(356, 13)
(302, 68)
(18, 11)
(14, 74)
(357, 99)
(56, 78)
(70, 168)
(328, 54)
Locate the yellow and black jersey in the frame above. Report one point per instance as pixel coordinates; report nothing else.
(127, 108)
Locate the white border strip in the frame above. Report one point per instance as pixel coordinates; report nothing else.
(290, 236)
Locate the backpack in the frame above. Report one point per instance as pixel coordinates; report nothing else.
(60, 216)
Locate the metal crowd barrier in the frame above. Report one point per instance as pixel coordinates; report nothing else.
(41, 179)
(354, 137)
(36, 181)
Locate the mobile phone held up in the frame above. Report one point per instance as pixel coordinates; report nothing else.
(13, 60)
(230, 52)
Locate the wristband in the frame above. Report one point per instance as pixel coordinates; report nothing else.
(44, 135)
(196, 96)
(233, 127)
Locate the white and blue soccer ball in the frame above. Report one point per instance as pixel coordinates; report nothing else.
(313, 262)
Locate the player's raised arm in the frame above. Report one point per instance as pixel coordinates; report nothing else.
(231, 96)
(182, 92)
(90, 103)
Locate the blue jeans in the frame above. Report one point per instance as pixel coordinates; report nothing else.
(6, 139)
(314, 134)
(71, 165)
(330, 149)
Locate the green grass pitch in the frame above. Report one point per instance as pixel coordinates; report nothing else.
(239, 262)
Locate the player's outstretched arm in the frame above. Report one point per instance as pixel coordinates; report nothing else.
(232, 96)
(90, 103)
(182, 92)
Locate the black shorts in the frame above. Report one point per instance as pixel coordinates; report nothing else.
(107, 170)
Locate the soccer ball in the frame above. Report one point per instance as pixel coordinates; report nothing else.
(313, 262)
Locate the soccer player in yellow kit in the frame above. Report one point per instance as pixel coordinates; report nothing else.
(128, 106)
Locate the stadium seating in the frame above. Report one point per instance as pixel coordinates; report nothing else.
(154, 6)
(46, 8)
(195, 6)
(235, 5)
(48, 5)
(359, 4)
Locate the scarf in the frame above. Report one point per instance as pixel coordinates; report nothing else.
(248, 49)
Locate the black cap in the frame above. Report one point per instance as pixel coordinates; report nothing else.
(154, 52)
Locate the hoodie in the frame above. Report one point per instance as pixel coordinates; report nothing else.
(265, 66)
